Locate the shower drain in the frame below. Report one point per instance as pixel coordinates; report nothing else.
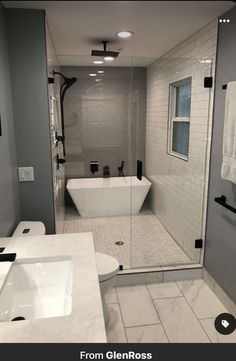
(119, 243)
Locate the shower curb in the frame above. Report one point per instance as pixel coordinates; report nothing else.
(140, 278)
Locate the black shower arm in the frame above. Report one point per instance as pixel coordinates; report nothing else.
(58, 73)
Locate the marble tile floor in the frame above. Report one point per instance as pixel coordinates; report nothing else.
(175, 312)
(146, 241)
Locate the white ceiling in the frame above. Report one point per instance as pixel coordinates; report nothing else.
(79, 26)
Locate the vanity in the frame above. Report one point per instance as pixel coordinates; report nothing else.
(51, 292)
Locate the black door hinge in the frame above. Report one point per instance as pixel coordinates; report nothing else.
(208, 82)
(50, 80)
(198, 243)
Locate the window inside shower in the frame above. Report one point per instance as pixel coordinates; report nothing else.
(179, 118)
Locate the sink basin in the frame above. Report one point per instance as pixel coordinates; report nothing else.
(37, 289)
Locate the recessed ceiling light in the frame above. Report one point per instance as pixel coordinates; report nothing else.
(97, 62)
(100, 71)
(108, 58)
(92, 74)
(125, 34)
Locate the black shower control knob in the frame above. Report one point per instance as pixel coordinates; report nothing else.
(60, 138)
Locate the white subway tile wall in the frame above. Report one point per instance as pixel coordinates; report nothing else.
(179, 188)
(103, 121)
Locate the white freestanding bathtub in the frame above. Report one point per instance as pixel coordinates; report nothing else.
(108, 196)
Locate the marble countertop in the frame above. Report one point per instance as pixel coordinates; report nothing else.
(86, 322)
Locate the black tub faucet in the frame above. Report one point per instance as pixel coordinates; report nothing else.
(94, 166)
(120, 169)
(106, 171)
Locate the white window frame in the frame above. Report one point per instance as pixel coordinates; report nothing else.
(172, 117)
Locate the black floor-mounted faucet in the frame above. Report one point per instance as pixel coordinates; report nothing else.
(120, 169)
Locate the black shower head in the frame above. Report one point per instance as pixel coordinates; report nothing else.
(103, 53)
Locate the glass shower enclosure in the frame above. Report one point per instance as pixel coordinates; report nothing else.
(139, 193)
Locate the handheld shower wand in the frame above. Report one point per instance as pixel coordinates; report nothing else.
(68, 82)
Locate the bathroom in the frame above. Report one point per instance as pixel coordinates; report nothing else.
(127, 152)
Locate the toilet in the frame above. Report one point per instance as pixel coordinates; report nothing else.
(29, 228)
(107, 266)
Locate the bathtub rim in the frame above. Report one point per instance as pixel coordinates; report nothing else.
(104, 183)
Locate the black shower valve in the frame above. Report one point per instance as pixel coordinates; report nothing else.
(59, 138)
(59, 161)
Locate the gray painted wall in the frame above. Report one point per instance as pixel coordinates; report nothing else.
(105, 120)
(28, 64)
(220, 252)
(9, 197)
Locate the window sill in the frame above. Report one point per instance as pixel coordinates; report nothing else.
(178, 155)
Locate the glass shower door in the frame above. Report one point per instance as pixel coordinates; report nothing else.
(172, 193)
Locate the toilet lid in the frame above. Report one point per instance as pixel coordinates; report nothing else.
(107, 266)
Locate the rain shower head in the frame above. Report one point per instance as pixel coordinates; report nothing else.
(105, 53)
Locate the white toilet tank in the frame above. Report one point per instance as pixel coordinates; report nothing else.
(28, 228)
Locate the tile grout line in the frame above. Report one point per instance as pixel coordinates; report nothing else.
(149, 324)
(158, 315)
(166, 298)
(122, 319)
(194, 313)
(141, 325)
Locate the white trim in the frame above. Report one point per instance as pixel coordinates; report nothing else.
(172, 117)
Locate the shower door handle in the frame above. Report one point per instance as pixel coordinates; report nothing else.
(139, 169)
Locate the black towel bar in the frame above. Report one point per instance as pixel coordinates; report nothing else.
(7, 257)
(222, 201)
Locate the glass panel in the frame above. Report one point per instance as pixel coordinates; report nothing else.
(169, 203)
(183, 100)
(180, 137)
(98, 130)
(121, 115)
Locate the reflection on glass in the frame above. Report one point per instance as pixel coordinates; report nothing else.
(180, 139)
(183, 100)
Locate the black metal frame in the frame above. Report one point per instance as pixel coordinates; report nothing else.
(208, 82)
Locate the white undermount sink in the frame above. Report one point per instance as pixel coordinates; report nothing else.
(37, 289)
